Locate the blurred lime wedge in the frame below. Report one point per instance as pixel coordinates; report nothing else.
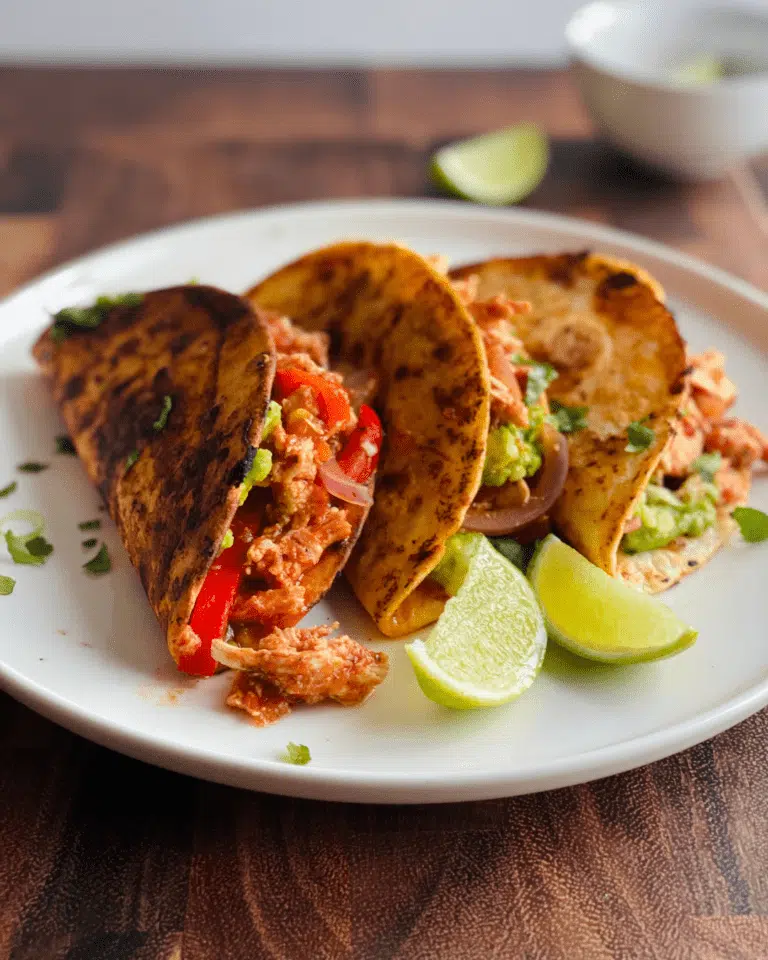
(595, 616)
(700, 71)
(496, 168)
(488, 645)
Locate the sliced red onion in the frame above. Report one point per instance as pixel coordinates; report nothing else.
(550, 481)
(338, 484)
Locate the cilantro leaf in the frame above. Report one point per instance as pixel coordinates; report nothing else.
(101, 563)
(6, 586)
(707, 465)
(31, 550)
(89, 525)
(65, 445)
(31, 466)
(752, 523)
(132, 457)
(639, 436)
(162, 419)
(567, 419)
(90, 543)
(11, 488)
(70, 319)
(540, 375)
(297, 753)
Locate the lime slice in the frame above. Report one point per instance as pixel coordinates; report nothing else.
(488, 645)
(595, 616)
(496, 168)
(700, 71)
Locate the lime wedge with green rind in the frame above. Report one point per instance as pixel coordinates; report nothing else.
(597, 617)
(496, 168)
(489, 643)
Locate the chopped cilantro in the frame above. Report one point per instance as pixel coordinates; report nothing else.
(707, 465)
(6, 586)
(31, 466)
(639, 436)
(11, 488)
(162, 419)
(567, 419)
(752, 523)
(31, 549)
(101, 563)
(66, 321)
(297, 753)
(90, 543)
(540, 375)
(89, 525)
(132, 457)
(65, 445)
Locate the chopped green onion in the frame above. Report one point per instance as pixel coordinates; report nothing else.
(132, 457)
(89, 525)
(90, 543)
(32, 466)
(6, 586)
(162, 419)
(31, 550)
(101, 563)
(11, 488)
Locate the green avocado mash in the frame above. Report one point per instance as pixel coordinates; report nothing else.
(665, 515)
(262, 461)
(512, 452)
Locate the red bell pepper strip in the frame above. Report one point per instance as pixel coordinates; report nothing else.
(332, 398)
(360, 455)
(214, 602)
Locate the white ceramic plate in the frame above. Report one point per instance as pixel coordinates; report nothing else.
(88, 653)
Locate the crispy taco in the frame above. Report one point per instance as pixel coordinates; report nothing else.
(218, 438)
(388, 311)
(656, 471)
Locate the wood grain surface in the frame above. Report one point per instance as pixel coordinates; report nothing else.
(105, 858)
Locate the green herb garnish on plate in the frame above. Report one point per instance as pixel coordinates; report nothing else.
(9, 489)
(32, 466)
(6, 586)
(297, 753)
(64, 445)
(752, 522)
(101, 563)
(89, 525)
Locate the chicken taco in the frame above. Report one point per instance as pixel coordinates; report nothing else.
(467, 447)
(219, 440)
(658, 466)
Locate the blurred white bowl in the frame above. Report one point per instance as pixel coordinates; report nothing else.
(625, 53)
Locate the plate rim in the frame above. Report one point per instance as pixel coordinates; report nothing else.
(390, 787)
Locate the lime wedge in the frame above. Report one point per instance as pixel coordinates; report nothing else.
(595, 616)
(496, 168)
(489, 643)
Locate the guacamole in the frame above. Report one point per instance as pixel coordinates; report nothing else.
(512, 452)
(665, 515)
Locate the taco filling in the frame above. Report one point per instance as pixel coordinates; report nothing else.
(300, 504)
(526, 459)
(704, 471)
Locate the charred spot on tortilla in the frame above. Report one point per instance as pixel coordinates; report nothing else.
(618, 281)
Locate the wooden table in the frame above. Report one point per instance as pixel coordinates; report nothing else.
(105, 858)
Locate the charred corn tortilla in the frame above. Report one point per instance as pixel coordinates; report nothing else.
(207, 350)
(386, 308)
(617, 350)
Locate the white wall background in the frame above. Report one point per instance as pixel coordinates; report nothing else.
(312, 31)
(474, 32)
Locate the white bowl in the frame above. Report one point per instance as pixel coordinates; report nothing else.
(624, 53)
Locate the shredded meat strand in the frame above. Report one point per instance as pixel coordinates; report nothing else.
(293, 340)
(258, 698)
(305, 665)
